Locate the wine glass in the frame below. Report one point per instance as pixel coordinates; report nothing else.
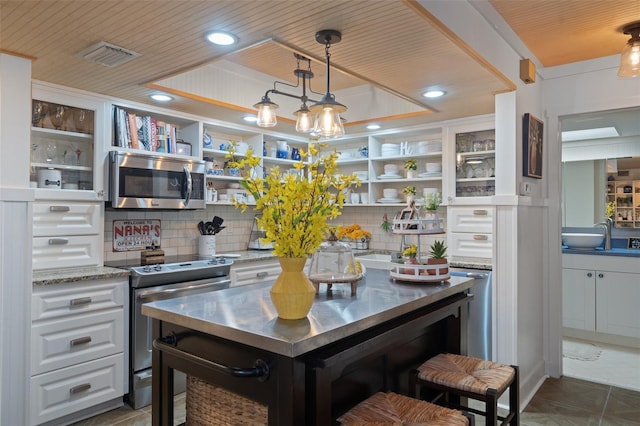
(51, 150)
(81, 120)
(40, 110)
(58, 115)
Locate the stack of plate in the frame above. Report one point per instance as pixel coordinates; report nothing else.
(385, 200)
(389, 149)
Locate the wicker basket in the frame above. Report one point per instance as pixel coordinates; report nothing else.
(209, 405)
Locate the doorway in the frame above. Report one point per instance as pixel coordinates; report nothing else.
(587, 353)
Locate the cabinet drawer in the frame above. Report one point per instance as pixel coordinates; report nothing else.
(254, 273)
(477, 219)
(71, 340)
(71, 389)
(66, 252)
(65, 218)
(471, 245)
(58, 300)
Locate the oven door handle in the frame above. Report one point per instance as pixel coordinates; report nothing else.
(260, 369)
(147, 296)
(187, 175)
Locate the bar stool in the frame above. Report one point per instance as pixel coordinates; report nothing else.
(471, 378)
(393, 409)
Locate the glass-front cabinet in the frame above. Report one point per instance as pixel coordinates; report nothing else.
(64, 130)
(475, 163)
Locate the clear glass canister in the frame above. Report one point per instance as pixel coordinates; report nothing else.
(333, 262)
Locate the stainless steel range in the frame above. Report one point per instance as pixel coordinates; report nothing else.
(149, 283)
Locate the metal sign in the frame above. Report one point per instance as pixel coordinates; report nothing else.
(136, 234)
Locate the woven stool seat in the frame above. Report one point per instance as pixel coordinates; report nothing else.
(393, 409)
(466, 373)
(469, 377)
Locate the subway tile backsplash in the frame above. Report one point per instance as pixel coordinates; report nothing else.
(180, 232)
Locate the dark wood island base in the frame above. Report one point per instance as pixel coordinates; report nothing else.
(311, 376)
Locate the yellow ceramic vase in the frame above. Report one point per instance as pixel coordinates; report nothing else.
(292, 293)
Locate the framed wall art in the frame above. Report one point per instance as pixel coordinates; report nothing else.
(532, 141)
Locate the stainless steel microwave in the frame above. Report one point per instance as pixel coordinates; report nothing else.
(141, 181)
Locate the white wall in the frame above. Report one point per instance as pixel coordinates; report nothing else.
(15, 238)
(571, 89)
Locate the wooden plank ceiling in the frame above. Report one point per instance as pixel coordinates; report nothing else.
(393, 45)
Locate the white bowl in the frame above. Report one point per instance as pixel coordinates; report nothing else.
(434, 167)
(391, 169)
(390, 193)
(582, 240)
(362, 175)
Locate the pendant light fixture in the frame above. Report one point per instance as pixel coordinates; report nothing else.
(327, 122)
(630, 57)
(266, 107)
(322, 119)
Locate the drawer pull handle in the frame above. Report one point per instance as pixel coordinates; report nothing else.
(480, 212)
(58, 241)
(80, 341)
(480, 237)
(262, 274)
(80, 301)
(59, 209)
(80, 388)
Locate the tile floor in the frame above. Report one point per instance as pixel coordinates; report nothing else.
(558, 402)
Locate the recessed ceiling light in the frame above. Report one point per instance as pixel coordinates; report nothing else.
(161, 98)
(597, 133)
(250, 118)
(221, 38)
(433, 93)
(373, 126)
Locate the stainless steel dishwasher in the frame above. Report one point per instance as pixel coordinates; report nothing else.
(479, 330)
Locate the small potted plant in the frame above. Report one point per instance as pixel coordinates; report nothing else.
(438, 256)
(412, 168)
(430, 204)
(386, 225)
(410, 253)
(410, 192)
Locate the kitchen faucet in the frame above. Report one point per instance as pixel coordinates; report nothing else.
(607, 224)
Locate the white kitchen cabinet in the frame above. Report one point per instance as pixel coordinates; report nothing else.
(77, 346)
(67, 234)
(579, 299)
(601, 293)
(470, 231)
(617, 296)
(67, 134)
(254, 272)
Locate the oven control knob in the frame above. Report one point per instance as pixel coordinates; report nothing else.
(157, 267)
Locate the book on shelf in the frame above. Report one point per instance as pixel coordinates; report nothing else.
(142, 132)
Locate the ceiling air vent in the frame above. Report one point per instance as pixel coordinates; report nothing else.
(108, 54)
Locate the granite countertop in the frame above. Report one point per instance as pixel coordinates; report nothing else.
(48, 277)
(246, 314)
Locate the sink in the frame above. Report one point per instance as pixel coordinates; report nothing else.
(375, 260)
(577, 240)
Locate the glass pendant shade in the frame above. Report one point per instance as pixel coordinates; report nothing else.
(333, 262)
(630, 59)
(266, 112)
(303, 123)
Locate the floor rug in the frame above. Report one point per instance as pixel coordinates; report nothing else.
(581, 351)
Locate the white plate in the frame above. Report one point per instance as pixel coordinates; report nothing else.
(389, 200)
(430, 174)
(386, 176)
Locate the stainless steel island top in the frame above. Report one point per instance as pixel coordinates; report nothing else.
(246, 314)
